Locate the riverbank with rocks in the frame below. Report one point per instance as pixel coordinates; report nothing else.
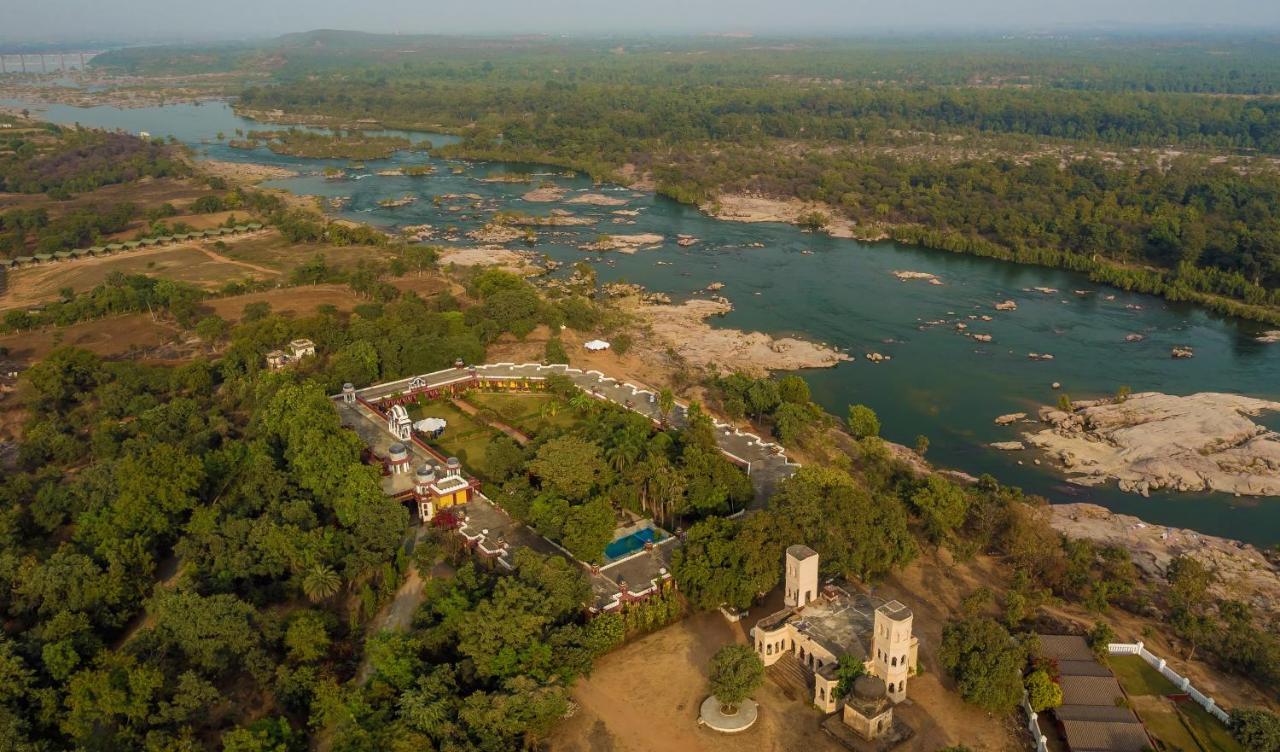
(1242, 571)
(1150, 441)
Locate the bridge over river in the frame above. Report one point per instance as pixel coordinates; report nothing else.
(46, 62)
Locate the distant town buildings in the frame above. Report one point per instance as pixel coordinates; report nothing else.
(821, 625)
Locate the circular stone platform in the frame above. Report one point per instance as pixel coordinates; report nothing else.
(711, 717)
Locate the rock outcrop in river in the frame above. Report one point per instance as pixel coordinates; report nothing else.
(1201, 442)
(684, 329)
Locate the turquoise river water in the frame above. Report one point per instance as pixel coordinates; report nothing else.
(842, 292)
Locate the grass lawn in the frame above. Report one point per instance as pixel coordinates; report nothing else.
(523, 410)
(464, 438)
(1138, 677)
(1213, 734)
(1164, 724)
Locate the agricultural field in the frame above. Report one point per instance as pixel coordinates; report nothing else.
(199, 263)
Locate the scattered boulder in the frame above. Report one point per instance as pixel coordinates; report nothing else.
(1008, 446)
(1007, 305)
(1010, 418)
(1181, 352)
(907, 276)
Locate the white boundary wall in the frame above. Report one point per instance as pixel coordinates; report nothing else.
(1033, 725)
(1179, 681)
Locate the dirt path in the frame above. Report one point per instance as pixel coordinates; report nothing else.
(223, 259)
(398, 614)
(473, 411)
(166, 577)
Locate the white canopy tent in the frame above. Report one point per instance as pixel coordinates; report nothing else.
(596, 345)
(430, 425)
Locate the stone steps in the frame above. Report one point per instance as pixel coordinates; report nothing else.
(794, 679)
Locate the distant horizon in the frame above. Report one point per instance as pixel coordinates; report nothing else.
(185, 21)
(11, 44)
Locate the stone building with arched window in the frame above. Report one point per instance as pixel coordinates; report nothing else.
(823, 623)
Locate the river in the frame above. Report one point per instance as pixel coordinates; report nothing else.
(939, 383)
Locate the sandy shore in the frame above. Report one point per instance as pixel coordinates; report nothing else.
(1242, 571)
(743, 208)
(1201, 442)
(243, 171)
(684, 329)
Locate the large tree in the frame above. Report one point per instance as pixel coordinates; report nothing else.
(985, 662)
(569, 465)
(736, 671)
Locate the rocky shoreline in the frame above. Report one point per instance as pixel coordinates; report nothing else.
(1242, 571)
(1150, 441)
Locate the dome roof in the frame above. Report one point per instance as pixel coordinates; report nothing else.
(398, 451)
(868, 687)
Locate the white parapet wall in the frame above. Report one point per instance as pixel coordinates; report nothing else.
(1033, 725)
(1181, 682)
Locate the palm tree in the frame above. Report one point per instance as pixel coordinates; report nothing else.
(624, 453)
(666, 403)
(550, 408)
(581, 403)
(321, 582)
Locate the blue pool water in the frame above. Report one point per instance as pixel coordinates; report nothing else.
(629, 544)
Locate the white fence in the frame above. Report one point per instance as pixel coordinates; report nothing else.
(1033, 725)
(1179, 681)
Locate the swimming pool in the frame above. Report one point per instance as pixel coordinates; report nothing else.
(629, 544)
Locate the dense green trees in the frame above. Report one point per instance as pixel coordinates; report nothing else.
(567, 483)
(61, 161)
(985, 661)
(1257, 729)
(730, 562)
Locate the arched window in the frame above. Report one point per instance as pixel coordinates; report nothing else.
(802, 655)
(769, 650)
(894, 662)
(822, 694)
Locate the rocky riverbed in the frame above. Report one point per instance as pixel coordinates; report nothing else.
(1149, 441)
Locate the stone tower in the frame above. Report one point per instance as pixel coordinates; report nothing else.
(802, 576)
(893, 648)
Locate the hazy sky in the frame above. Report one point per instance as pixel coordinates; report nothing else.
(44, 19)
